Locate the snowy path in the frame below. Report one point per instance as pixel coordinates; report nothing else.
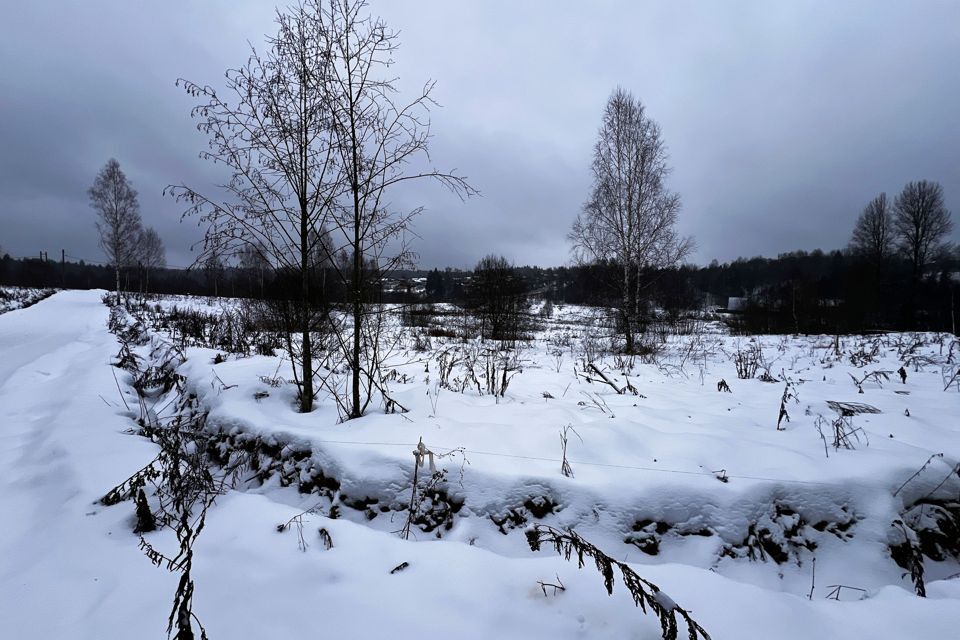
(64, 573)
(70, 568)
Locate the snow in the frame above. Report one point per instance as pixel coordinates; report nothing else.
(12, 298)
(72, 567)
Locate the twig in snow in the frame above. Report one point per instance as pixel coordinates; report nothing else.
(118, 388)
(604, 378)
(834, 594)
(598, 402)
(556, 587)
(917, 473)
(565, 468)
(813, 578)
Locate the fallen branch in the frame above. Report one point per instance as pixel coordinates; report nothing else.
(605, 379)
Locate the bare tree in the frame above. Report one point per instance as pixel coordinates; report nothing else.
(376, 138)
(497, 296)
(272, 129)
(314, 139)
(151, 252)
(253, 264)
(922, 223)
(873, 233)
(118, 211)
(213, 269)
(630, 216)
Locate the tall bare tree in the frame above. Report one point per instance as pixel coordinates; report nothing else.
(253, 264)
(150, 252)
(377, 140)
(213, 270)
(922, 223)
(630, 217)
(271, 128)
(873, 234)
(497, 297)
(118, 216)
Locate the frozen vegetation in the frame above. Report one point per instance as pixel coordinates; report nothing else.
(19, 297)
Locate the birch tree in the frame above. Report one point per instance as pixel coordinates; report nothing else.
(630, 217)
(151, 253)
(271, 128)
(315, 137)
(118, 216)
(380, 141)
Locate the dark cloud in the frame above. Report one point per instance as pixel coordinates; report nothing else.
(783, 119)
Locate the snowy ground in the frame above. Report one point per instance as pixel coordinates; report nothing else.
(19, 297)
(647, 488)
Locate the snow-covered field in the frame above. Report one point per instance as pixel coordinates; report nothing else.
(695, 488)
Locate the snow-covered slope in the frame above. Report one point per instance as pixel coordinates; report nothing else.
(647, 469)
(12, 298)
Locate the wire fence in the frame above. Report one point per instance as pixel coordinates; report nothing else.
(706, 475)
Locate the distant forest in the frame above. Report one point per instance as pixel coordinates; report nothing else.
(797, 292)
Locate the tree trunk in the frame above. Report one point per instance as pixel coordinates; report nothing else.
(639, 320)
(915, 278)
(627, 318)
(357, 255)
(357, 307)
(306, 392)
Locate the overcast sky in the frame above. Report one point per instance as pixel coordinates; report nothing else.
(782, 118)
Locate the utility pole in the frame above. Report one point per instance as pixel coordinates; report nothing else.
(63, 268)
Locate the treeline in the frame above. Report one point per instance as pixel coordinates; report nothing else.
(835, 292)
(800, 291)
(796, 292)
(35, 272)
(209, 280)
